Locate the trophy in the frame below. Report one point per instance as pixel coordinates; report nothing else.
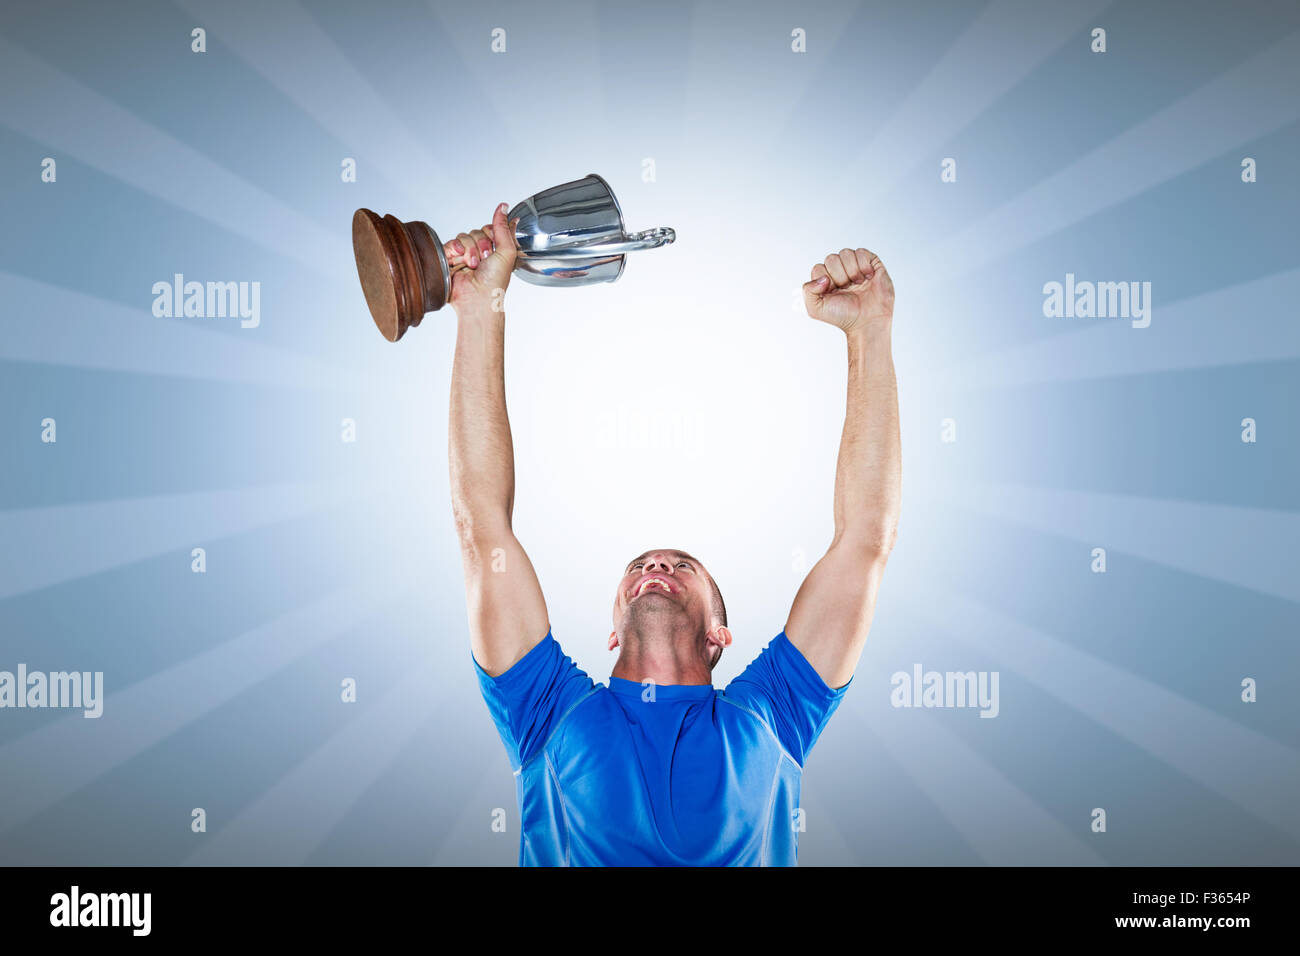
(571, 234)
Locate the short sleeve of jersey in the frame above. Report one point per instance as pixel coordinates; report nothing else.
(787, 692)
(530, 699)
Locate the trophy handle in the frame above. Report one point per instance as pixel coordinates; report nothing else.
(648, 239)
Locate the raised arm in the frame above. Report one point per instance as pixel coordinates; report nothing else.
(832, 611)
(507, 613)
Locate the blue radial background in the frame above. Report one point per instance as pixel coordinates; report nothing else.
(329, 560)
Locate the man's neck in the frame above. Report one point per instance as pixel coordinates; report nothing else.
(664, 660)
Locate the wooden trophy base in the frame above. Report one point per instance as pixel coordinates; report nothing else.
(403, 270)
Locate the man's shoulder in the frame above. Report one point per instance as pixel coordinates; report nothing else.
(597, 697)
(745, 709)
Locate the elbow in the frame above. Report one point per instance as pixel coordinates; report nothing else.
(480, 529)
(871, 543)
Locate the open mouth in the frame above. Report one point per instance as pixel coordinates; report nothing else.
(654, 584)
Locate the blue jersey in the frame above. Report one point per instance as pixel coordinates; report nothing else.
(627, 774)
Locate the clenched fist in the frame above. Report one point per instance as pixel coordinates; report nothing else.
(850, 290)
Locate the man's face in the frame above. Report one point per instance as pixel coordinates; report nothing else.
(665, 582)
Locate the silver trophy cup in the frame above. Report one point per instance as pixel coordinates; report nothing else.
(571, 234)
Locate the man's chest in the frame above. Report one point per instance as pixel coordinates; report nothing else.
(697, 785)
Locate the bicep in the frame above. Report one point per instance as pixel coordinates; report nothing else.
(507, 612)
(832, 611)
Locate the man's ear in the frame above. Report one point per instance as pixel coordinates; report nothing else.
(613, 639)
(720, 636)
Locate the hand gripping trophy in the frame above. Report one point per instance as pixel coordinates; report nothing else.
(571, 234)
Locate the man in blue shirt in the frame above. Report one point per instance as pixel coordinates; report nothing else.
(659, 767)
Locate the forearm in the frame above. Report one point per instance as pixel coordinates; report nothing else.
(868, 475)
(480, 450)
